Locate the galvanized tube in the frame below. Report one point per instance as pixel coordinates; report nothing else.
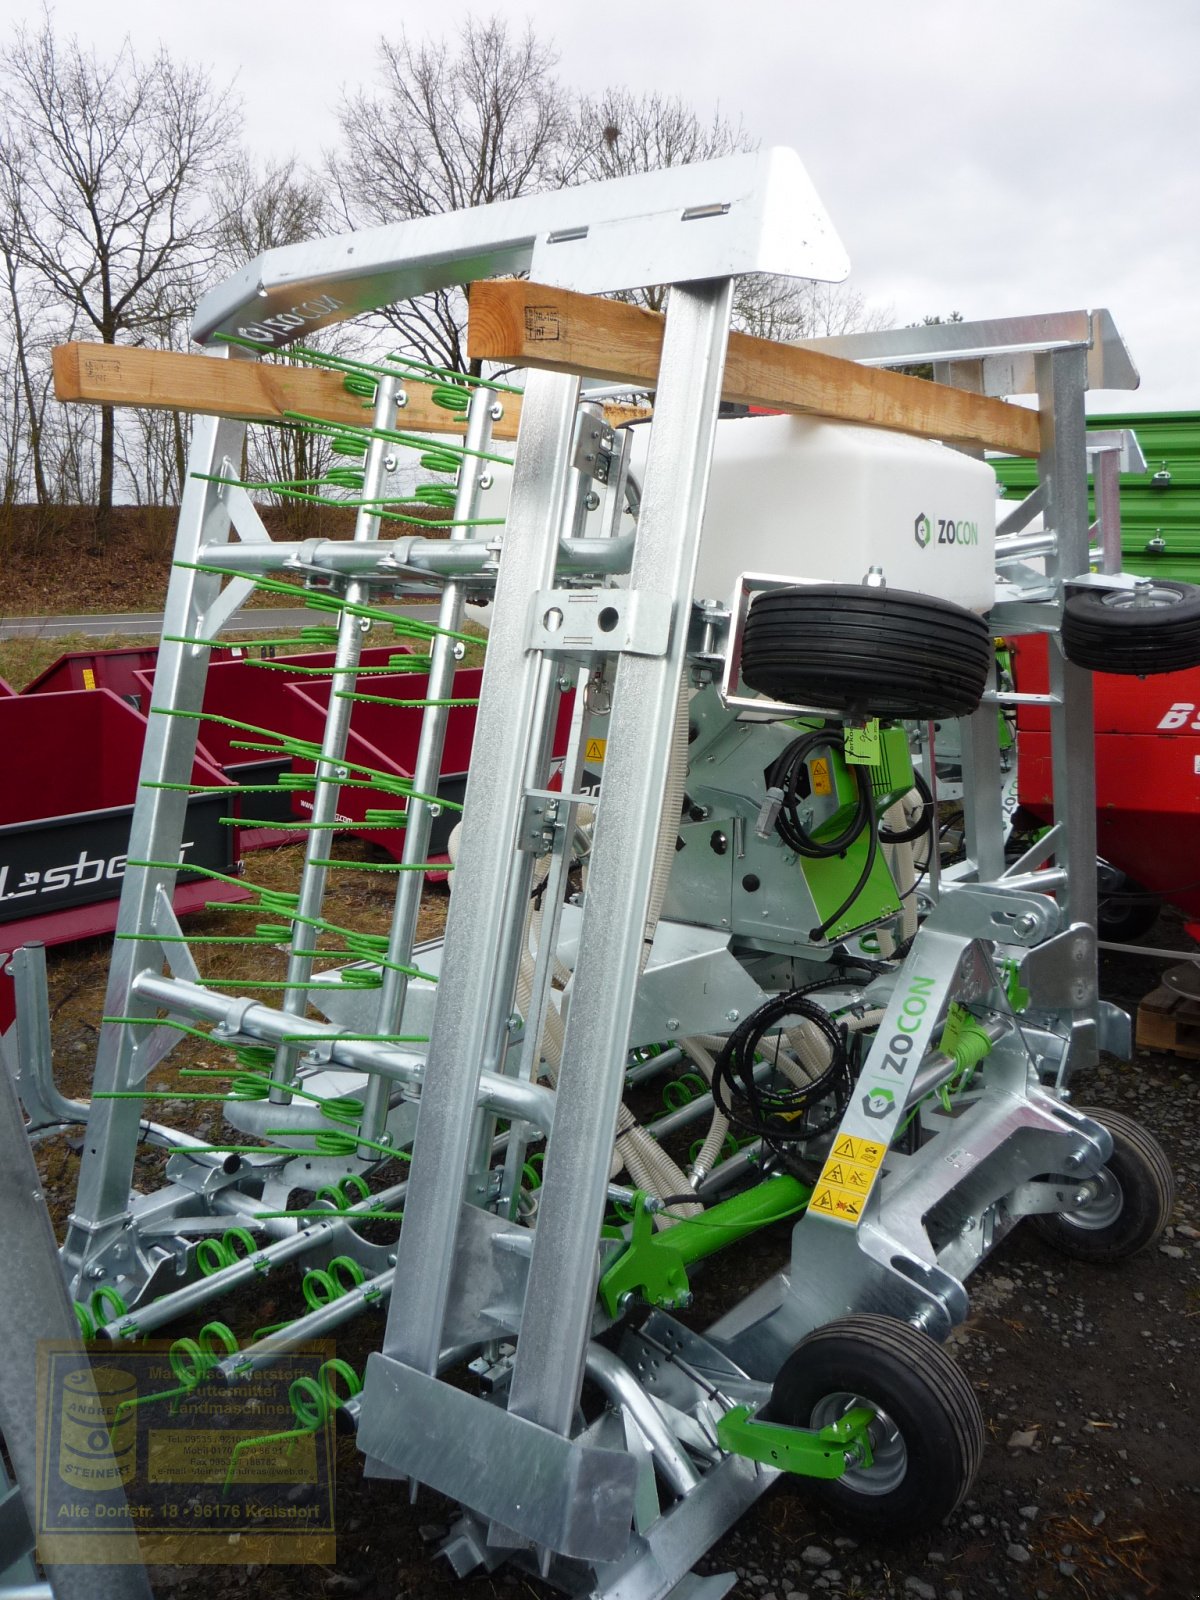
(1023, 546)
(427, 768)
(559, 1298)
(508, 1096)
(467, 557)
(610, 1374)
(314, 1325)
(646, 1070)
(333, 750)
(492, 878)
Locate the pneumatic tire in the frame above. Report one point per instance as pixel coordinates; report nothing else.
(927, 1437)
(864, 652)
(1128, 1215)
(1117, 630)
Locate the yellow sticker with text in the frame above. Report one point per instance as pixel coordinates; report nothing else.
(822, 782)
(89, 678)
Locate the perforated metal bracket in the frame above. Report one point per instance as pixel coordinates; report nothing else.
(594, 445)
(541, 813)
(586, 624)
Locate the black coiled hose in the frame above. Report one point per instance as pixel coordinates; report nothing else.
(781, 1115)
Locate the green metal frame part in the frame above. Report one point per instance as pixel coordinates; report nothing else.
(653, 1266)
(807, 1452)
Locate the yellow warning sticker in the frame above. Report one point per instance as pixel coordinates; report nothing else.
(848, 1175)
(89, 678)
(839, 1205)
(822, 782)
(865, 1151)
(595, 750)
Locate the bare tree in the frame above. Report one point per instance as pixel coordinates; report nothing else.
(791, 309)
(109, 210)
(622, 133)
(258, 209)
(450, 126)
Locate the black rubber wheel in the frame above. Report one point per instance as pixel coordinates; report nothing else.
(927, 1438)
(866, 652)
(1137, 1192)
(1118, 630)
(1125, 910)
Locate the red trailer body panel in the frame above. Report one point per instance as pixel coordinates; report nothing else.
(1147, 770)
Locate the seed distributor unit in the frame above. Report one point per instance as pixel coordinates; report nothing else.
(730, 884)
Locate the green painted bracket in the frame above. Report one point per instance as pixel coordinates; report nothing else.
(643, 1269)
(653, 1266)
(808, 1453)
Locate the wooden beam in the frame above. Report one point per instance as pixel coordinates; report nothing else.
(258, 391)
(532, 326)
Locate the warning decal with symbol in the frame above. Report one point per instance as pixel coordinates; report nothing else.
(866, 1151)
(595, 750)
(839, 1205)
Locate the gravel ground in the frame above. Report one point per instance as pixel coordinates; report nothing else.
(1084, 1374)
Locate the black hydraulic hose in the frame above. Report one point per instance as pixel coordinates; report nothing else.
(921, 826)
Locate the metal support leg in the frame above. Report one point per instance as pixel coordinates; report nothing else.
(428, 765)
(35, 1307)
(155, 835)
(486, 881)
(560, 1298)
(1062, 466)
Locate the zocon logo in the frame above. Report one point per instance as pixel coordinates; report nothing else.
(948, 531)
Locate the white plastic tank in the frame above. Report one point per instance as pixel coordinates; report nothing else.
(802, 497)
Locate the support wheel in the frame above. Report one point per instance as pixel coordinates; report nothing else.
(1133, 1206)
(866, 652)
(927, 1437)
(1135, 632)
(1125, 909)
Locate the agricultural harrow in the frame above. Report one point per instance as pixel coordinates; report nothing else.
(748, 911)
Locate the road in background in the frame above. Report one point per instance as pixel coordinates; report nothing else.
(100, 625)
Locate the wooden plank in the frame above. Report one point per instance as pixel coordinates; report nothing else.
(534, 326)
(258, 391)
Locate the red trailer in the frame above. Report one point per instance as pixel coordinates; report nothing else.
(1147, 771)
(65, 809)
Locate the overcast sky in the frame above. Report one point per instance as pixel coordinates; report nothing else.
(992, 159)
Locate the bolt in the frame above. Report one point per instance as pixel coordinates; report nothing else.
(389, 463)
(732, 1016)
(401, 399)
(486, 480)
(495, 411)
(515, 1022)
(684, 1300)
(592, 500)
(672, 1024)
(459, 650)
(1027, 923)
